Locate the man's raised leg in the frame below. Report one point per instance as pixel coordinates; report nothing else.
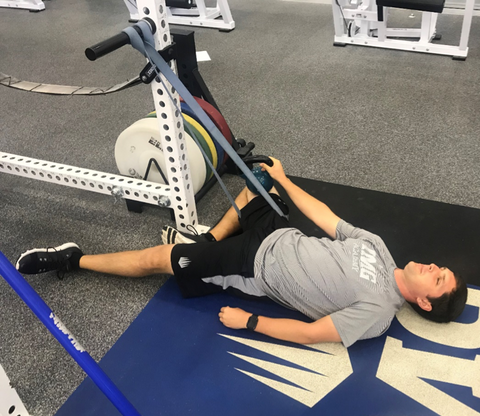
(230, 224)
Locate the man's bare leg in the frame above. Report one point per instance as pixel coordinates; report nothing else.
(154, 260)
(229, 224)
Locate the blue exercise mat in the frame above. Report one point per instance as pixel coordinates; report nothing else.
(176, 358)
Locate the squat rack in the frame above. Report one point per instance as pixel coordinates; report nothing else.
(179, 194)
(180, 197)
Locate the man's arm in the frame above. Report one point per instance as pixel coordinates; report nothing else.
(322, 330)
(311, 207)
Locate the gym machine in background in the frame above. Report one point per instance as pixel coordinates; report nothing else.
(32, 5)
(193, 13)
(364, 23)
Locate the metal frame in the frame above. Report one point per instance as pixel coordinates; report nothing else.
(368, 31)
(86, 179)
(9, 397)
(217, 17)
(179, 196)
(32, 5)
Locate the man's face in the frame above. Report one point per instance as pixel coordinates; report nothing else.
(428, 280)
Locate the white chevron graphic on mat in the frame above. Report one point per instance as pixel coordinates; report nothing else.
(329, 365)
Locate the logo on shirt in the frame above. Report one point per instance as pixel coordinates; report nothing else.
(364, 259)
(184, 262)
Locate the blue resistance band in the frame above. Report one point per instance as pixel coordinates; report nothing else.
(146, 48)
(63, 336)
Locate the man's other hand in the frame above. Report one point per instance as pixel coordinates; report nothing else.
(234, 318)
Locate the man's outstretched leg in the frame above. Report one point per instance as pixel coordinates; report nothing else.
(68, 257)
(227, 226)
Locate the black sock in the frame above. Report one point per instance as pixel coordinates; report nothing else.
(75, 260)
(210, 238)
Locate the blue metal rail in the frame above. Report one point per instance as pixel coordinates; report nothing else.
(63, 336)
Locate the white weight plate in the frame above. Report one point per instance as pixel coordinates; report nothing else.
(140, 142)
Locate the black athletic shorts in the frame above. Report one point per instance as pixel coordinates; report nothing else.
(211, 267)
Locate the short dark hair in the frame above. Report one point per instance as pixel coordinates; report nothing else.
(447, 307)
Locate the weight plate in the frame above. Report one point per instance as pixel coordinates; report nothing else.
(220, 152)
(141, 142)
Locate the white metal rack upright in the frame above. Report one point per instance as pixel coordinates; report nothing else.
(178, 195)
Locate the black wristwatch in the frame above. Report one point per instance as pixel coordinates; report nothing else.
(252, 322)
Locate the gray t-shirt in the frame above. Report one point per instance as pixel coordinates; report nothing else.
(350, 278)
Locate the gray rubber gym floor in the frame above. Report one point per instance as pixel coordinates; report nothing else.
(391, 121)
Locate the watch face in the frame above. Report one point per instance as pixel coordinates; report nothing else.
(252, 322)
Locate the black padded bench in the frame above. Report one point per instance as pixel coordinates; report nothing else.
(435, 6)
